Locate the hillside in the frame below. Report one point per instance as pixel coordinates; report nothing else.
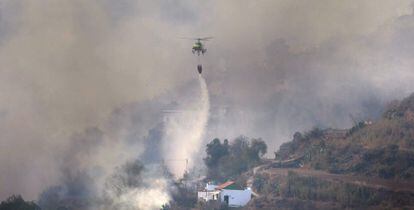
(383, 149)
(316, 189)
(369, 166)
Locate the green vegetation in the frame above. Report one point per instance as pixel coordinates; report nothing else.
(227, 161)
(16, 202)
(224, 161)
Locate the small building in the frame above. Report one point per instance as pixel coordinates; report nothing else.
(228, 193)
(209, 193)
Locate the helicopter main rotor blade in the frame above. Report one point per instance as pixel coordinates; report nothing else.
(206, 38)
(188, 38)
(196, 38)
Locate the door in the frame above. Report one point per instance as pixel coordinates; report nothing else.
(226, 200)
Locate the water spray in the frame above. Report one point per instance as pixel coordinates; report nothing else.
(184, 131)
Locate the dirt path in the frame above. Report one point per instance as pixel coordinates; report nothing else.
(393, 185)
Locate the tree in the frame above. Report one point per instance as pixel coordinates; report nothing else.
(16, 202)
(258, 148)
(226, 161)
(216, 150)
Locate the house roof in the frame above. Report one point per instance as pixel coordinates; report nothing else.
(224, 185)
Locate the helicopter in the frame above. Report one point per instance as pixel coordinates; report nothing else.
(199, 49)
(198, 46)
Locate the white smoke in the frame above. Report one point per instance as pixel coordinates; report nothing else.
(144, 199)
(183, 135)
(151, 194)
(184, 131)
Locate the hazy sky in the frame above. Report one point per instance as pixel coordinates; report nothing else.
(99, 73)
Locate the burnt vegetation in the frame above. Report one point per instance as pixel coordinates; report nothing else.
(369, 166)
(383, 149)
(296, 191)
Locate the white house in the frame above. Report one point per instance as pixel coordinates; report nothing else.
(233, 195)
(228, 193)
(209, 193)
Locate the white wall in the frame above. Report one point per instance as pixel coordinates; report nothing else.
(210, 187)
(208, 195)
(237, 197)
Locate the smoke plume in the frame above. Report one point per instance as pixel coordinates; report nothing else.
(136, 186)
